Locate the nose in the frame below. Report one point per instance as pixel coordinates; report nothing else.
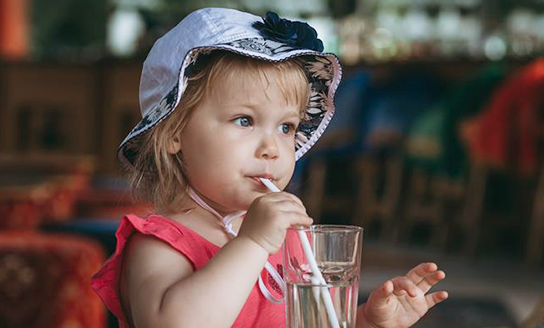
(268, 148)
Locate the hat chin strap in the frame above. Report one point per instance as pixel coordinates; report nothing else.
(227, 225)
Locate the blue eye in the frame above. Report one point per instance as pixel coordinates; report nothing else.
(287, 128)
(243, 121)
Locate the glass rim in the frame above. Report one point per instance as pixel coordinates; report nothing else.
(327, 227)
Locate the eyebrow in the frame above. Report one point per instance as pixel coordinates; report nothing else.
(255, 107)
(294, 113)
(236, 105)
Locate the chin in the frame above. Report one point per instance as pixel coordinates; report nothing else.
(247, 203)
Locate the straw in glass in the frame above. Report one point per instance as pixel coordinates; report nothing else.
(313, 265)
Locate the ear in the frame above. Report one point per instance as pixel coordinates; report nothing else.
(174, 145)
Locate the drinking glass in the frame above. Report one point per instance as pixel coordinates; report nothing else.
(337, 251)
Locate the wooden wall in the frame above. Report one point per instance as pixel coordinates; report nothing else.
(78, 109)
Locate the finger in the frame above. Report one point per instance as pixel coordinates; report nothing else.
(296, 199)
(284, 197)
(381, 295)
(417, 274)
(288, 206)
(435, 298)
(430, 280)
(280, 197)
(403, 285)
(298, 219)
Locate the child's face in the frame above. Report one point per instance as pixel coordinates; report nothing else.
(242, 131)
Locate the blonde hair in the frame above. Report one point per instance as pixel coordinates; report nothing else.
(157, 176)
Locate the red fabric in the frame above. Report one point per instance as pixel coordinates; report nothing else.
(45, 281)
(257, 311)
(505, 134)
(20, 214)
(27, 208)
(34, 190)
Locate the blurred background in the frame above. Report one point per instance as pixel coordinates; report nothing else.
(436, 148)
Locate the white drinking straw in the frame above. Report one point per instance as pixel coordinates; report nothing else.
(313, 265)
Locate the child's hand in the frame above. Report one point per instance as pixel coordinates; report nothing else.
(402, 301)
(269, 216)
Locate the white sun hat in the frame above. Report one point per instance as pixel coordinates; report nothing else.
(165, 70)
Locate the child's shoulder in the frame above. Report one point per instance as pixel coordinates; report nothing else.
(147, 252)
(159, 225)
(150, 266)
(151, 241)
(188, 239)
(156, 254)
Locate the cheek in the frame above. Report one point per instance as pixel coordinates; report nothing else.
(205, 149)
(200, 159)
(289, 160)
(291, 167)
(215, 161)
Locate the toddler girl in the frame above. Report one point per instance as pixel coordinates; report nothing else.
(228, 98)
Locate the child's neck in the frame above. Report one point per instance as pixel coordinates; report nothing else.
(196, 197)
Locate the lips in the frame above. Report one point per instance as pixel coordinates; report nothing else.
(263, 176)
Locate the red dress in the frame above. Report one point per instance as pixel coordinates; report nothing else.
(256, 312)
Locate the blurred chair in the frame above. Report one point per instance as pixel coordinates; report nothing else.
(470, 222)
(503, 143)
(505, 135)
(313, 192)
(328, 185)
(422, 205)
(397, 102)
(335, 149)
(45, 281)
(443, 190)
(379, 193)
(535, 239)
(430, 200)
(503, 211)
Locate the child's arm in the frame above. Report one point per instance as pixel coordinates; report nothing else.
(163, 290)
(402, 301)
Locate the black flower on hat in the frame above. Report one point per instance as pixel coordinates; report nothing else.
(293, 33)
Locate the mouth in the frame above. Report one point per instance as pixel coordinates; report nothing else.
(257, 179)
